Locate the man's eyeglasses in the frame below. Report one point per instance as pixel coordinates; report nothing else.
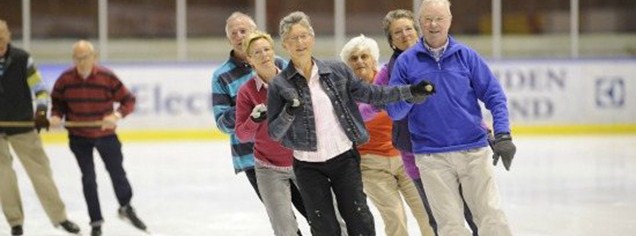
(436, 19)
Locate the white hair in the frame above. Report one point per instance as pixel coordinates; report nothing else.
(446, 3)
(360, 43)
(236, 16)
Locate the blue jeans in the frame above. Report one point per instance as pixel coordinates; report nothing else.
(341, 174)
(109, 149)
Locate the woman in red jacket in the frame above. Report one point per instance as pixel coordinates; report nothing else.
(273, 162)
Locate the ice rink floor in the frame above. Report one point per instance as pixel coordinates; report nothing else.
(558, 185)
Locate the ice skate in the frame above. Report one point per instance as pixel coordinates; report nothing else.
(127, 212)
(16, 230)
(69, 226)
(96, 231)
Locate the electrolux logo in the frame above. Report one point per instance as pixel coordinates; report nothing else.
(610, 92)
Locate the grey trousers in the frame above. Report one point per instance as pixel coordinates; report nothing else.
(274, 186)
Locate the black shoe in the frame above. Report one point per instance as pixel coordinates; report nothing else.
(128, 212)
(96, 231)
(16, 230)
(69, 226)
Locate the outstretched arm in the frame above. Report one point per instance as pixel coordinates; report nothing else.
(398, 110)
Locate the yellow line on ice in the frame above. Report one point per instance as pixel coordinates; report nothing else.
(215, 135)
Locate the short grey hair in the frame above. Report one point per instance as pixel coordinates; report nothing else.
(426, 2)
(358, 44)
(84, 43)
(396, 15)
(297, 17)
(235, 16)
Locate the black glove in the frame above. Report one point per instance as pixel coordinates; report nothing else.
(491, 139)
(41, 122)
(293, 107)
(421, 91)
(259, 113)
(504, 148)
(423, 88)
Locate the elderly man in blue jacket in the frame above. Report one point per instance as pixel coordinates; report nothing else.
(449, 141)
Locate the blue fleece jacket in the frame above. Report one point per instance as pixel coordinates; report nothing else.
(451, 119)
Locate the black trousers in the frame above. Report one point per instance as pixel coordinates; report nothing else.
(341, 175)
(109, 149)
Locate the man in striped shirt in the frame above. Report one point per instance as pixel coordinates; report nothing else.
(226, 81)
(87, 93)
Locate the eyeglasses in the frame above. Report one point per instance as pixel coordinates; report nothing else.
(260, 52)
(82, 57)
(436, 19)
(404, 31)
(298, 38)
(359, 56)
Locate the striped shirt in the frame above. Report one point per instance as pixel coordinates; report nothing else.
(1, 66)
(226, 81)
(90, 99)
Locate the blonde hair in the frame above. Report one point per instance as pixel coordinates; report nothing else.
(252, 37)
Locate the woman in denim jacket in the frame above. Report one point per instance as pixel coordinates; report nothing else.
(311, 109)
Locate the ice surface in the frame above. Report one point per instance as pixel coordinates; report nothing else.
(558, 185)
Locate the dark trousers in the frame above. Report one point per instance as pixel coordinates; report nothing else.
(467, 214)
(297, 200)
(341, 175)
(109, 149)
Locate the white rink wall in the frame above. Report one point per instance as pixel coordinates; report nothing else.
(542, 93)
(565, 92)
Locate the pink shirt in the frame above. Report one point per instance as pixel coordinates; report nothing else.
(332, 140)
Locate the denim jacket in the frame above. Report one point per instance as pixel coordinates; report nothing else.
(297, 131)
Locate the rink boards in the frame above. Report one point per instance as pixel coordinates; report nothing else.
(545, 97)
